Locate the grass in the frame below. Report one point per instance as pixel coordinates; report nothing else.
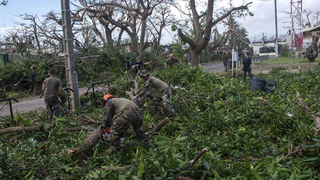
(288, 60)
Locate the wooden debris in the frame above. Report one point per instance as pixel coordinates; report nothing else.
(94, 137)
(315, 117)
(21, 129)
(159, 126)
(187, 166)
(304, 106)
(115, 168)
(89, 143)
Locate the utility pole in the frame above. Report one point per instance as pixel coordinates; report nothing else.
(276, 21)
(71, 73)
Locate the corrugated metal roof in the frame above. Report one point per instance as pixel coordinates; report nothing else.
(311, 29)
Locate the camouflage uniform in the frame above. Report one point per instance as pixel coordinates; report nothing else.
(124, 112)
(161, 87)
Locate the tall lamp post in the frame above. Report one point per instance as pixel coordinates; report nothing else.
(276, 26)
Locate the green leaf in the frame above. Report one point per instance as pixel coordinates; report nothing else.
(206, 165)
(157, 163)
(142, 149)
(163, 138)
(162, 143)
(140, 169)
(181, 138)
(122, 177)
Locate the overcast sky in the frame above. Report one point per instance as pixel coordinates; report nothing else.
(263, 20)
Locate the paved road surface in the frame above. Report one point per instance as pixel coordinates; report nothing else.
(214, 66)
(32, 103)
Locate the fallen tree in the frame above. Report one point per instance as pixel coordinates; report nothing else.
(94, 137)
(21, 129)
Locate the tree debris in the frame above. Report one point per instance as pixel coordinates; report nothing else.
(187, 166)
(21, 129)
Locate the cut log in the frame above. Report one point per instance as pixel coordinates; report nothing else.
(159, 126)
(115, 168)
(187, 166)
(21, 129)
(304, 106)
(89, 143)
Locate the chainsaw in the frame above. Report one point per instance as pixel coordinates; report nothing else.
(106, 135)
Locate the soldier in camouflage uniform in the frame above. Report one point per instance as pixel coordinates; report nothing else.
(51, 86)
(119, 113)
(160, 86)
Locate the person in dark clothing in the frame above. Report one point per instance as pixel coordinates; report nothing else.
(128, 64)
(33, 83)
(137, 66)
(246, 66)
(128, 67)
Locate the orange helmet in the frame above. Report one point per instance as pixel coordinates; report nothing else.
(106, 98)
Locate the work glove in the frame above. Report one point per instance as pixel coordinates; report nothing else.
(134, 97)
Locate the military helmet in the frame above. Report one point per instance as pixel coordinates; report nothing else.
(106, 98)
(144, 73)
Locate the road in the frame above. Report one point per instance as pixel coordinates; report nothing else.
(213, 67)
(32, 103)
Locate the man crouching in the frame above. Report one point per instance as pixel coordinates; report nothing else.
(126, 112)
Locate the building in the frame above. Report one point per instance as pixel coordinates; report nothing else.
(267, 47)
(308, 33)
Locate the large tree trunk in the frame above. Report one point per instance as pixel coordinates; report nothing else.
(312, 51)
(142, 36)
(195, 57)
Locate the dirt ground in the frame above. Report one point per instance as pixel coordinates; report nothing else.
(293, 68)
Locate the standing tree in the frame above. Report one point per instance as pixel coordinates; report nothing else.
(203, 33)
(159, 21)
(136, 11)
